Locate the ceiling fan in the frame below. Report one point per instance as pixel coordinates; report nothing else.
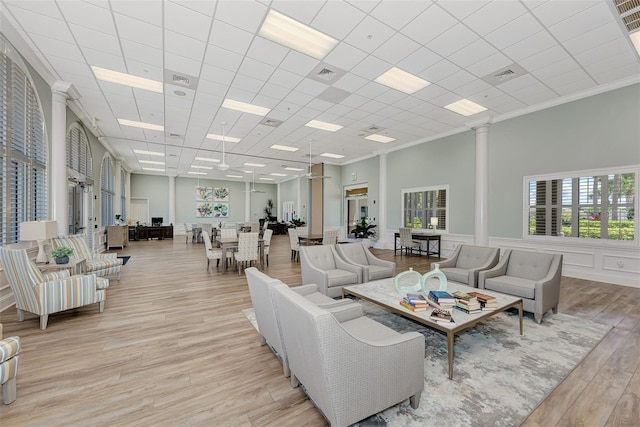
(223, 166)
(253, 183)
(310, 174)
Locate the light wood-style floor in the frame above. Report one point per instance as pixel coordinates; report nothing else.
(173, 348)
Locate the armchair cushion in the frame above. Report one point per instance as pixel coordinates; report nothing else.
(99, 264)
(323, 266)
(467, 261)
(373, 268)
(512, 285)
(528, 265)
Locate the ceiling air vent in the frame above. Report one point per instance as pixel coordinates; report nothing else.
(629, 11)
(325, 73)
(180, 79)
(271, 122)
(504, 74)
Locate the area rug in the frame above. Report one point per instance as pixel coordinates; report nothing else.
(499, 376)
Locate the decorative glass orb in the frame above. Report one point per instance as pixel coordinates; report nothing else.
(435, 274)
(408, 281)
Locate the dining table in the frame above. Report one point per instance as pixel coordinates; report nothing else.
(310, 239)
(227, 243)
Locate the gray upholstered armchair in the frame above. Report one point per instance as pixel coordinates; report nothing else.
(321, 265)
(533, 276)
(350, 365)
(261, 289)
(467, 261)
(372, 268)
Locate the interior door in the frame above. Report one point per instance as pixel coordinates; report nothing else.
(76, 209)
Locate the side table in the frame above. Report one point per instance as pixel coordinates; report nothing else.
(75, 266)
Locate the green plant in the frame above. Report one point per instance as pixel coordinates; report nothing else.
(268, 211)
(364, 229)
(61, 252)
(297, 222)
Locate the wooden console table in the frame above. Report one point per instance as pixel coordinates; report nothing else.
(154, 232)
(433, 243)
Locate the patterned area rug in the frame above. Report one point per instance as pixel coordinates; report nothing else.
(499, 376)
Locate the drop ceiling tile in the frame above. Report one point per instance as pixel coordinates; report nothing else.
(431, 92)
(182, 64)
(518, 83)
(274, 91)
(40, 24)
(396, 48)
(555, 69)
(544, 58)
(247, 83)
(267, 51)
(493, 16)
(429, 25)
(472, 53)
(204, 7)
(369, 34)
(222, 58)
(372, 90)
(247, 15)
(472, 88)
(452, 40)
(462, 9)
(552, 12)
(513, 32)
(77, 13)
(582, 22)
(209, 87)
(298, 98)
(183, 45)
(299, 63)
(71, 51)
(339, 110)
(355, 101)
(285, 78)
(141, 54)
(229, 37)
(371, 67)
(454, 81)
(419, 60)
(48, 9)
(337, 19)
(598, 36)
(530, 46)
(256, 69)
(391, 96)
(617, 74)
(439, 71)
(534, 95)
(350, 83)
(104, 60)
(188, 22)
(397, 14)
(611, 63)
(614, 48)
(138, 31)
(573, 81)
(149, 12)
(345, 56)
(300, 11)
(311, 87)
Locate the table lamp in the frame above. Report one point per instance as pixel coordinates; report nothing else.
(39, 231)
(434, 223)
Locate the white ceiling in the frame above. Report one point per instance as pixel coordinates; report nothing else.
(567, 48)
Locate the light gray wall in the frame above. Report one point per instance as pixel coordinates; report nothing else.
(259, 200)
(367, 171)
(601, 131)
(156, 189)
(287, 193)
(333, 196)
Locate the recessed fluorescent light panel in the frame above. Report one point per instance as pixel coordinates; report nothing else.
(297, 36)
(201, 167)
(151, 162)
(141, 125)
(266, 179)
(206, 159)
(278, 174)
(465, 107)
(379, 138)
(400, 80)
(323, 125)
(294, 169)
(284, 147)
(219, 138)
(150, 153)
(127, 79)
(635, 39)
(332, 156)
(234, 176)
(153, 169)
(196, 173)
(255, 165)
(245, 108)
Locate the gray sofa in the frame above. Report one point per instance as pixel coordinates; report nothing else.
(321, 265)
(372, 268)
(533, 276)
(467, 261)
(351, 366)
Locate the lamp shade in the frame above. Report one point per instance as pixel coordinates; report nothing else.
(38, 230)
(434, 221)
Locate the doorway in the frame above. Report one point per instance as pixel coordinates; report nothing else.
(76, 208)
(356, 205)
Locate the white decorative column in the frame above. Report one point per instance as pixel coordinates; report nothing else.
(247, 202)
(127, 177)
(382, 201)
(298, 197)
(278, 204)
(482, 185)
(172, 200)
(117, 183)
(59, 194)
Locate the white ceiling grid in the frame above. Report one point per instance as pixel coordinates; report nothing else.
(567, 48)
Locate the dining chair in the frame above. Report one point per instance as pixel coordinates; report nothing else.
(330, 236)
(188, 230)
(212, 253)
(406, 241)
(207, 226)
(267, 242)
(255, 227)
(228, 233)
(247, 250)
(293, 241)
(302, 230)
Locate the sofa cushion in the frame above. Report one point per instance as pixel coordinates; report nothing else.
(456, 274)
(511, 285)
(368, 329)
(341, 277)
(471, 257)
(377, 272)
(529, 265)
(319, 298)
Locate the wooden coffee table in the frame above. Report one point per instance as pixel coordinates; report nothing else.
(384, 294)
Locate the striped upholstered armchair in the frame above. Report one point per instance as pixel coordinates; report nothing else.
(9, 350)
(98, 264)
(45, 294)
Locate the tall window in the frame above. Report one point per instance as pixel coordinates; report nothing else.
(598, 205)
(78, 153)
(23, 150)
(107, 193)
(420, 205)
(123, 194)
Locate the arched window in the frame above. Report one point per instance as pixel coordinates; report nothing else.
(107, 191)
(78, 153)
(23, 149)
(123, 194)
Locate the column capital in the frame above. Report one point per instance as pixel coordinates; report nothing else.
(66, 89)
(480, 123)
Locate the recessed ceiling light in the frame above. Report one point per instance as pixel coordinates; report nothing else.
(400, 80)
(245, 108)
(151, 162)
(379, 138)
(206, 159)
(295, 35)
(255, 165)
(635, 39)
(278, 174)
(196, 173)
(150, 153)
(219, 138)
(284, 147)
(141, 125)
(201, 167)
(234, 176)
(126, 79)
(332, 156)
(266, 179)
(153, 169)
(323, 125)
(294, 169)
(465, 107)
(247, 171)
